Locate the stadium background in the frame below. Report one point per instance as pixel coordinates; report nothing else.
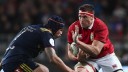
(16, 14)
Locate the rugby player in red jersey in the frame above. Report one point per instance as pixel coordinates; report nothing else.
(91, 36)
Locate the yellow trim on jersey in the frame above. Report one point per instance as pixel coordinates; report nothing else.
(44, 29)
(26, 68)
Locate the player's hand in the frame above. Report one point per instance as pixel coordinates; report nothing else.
(75, 34)
(73, 57)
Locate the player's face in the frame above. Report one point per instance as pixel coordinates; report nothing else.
(58, 33)
(85, 20)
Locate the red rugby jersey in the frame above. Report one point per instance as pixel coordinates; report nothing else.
(99, 31)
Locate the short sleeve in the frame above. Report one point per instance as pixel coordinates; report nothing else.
(47, 39)
(101, 33)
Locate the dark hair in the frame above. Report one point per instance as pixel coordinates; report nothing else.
(87, 7)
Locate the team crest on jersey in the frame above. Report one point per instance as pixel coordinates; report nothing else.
(92, 36)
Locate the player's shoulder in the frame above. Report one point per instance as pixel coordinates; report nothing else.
(45, 30)
(41, 28)
(98, 23)
(35, 27)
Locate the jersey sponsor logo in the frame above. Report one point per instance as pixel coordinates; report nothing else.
(92, 36)
(51, 42)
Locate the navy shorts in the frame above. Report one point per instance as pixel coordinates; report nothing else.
(26, 65)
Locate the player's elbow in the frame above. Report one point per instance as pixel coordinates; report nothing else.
(96, 53)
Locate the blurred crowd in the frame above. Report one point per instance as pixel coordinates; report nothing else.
(16, 14)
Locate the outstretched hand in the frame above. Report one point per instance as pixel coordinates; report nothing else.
(75, 34)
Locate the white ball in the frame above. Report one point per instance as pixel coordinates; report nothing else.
(74, 48)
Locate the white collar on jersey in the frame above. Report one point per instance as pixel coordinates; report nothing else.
(90, 27)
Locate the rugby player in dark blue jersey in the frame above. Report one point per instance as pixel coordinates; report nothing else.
(29, 42)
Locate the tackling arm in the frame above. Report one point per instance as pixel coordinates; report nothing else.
(56, 60)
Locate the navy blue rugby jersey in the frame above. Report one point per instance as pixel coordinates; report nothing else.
(30, 41)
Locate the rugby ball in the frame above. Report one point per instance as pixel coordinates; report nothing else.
(74, 49)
